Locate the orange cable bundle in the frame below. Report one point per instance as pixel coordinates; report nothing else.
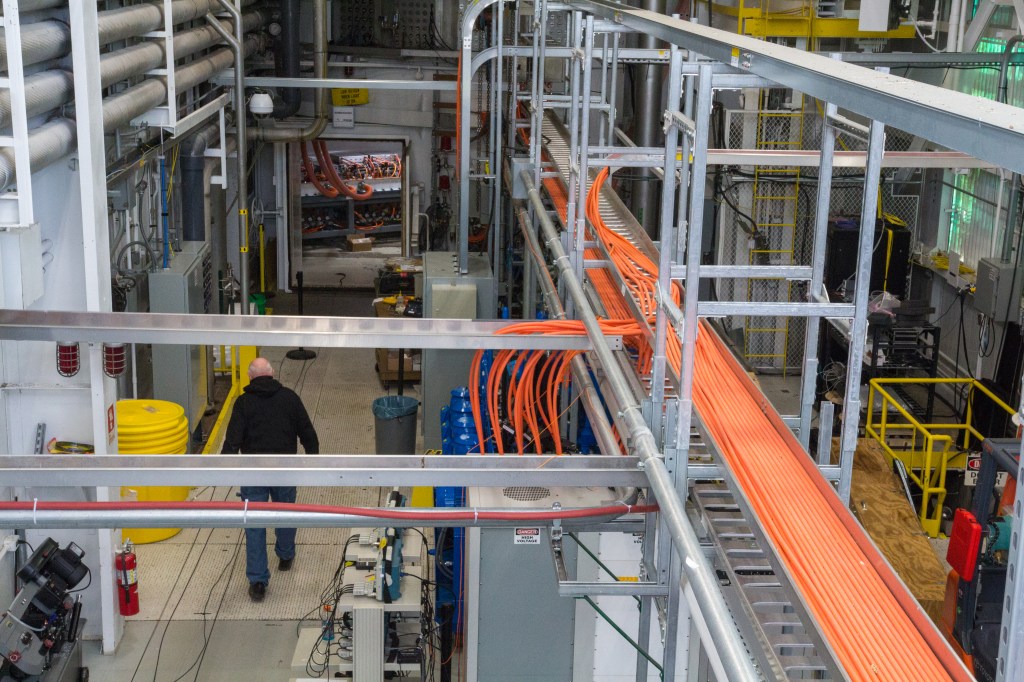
(876, 631)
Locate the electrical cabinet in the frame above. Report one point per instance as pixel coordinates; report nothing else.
(997, 290)
(518, 628)
(449, 295)
(182, 374)
(890, 259)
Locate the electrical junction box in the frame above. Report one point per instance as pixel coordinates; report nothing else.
(518, 628)
(997, 291)
(448, 294)
(182, 374)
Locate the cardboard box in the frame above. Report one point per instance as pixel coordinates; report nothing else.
(359, 243)
(412, 361)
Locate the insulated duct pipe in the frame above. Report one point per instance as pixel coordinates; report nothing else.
(193, 183)
(48, 90)
(319, 122)
(55, 139)
(46, 40)
(699, 575)
(289, 58)
(241, 156)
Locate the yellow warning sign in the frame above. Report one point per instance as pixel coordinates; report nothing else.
(349, 97)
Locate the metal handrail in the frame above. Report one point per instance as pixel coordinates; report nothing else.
(926, 465)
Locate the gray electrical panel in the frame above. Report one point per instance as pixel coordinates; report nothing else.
(997, 291)
(518, 628)
(182, 374)
(449, 295)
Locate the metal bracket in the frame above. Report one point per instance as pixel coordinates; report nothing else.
(10, 544)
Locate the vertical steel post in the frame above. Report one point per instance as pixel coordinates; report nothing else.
(613, 88)
(668, 561)
(694, 233)
(494, 231)
(92, 173)
(574, 201)
(808, 382)
(602, 133)
(859, 328)
(583, 164)
(667, 242)
(15, 83)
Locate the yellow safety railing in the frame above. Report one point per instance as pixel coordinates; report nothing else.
(927, 450)
(238, 366)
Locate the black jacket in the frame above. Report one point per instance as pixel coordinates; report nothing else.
(267, 419)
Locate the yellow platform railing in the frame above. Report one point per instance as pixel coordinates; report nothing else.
(237, 368)
(927, 450)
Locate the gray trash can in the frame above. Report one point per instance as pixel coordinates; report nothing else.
(394, 418)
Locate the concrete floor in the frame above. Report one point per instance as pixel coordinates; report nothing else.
(197, 622)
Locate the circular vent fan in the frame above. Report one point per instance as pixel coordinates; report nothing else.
(526, 493)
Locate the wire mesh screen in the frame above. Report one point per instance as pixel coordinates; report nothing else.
(767, 218)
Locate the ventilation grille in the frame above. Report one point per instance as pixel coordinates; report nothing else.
(526, 493)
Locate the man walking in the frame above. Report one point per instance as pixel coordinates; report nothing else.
(268, 418)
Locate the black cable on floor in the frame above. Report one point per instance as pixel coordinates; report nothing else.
(160, 618)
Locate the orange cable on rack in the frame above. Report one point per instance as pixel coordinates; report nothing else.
(875, 628)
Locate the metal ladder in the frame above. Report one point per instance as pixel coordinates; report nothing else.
(789, 649)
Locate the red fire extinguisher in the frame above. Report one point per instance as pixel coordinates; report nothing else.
(125, 564)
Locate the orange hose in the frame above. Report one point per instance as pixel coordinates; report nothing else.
(327, 166)
(311, 174)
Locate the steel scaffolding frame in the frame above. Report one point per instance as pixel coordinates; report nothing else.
(659, 425)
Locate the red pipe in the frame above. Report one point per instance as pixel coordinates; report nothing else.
(463, 515)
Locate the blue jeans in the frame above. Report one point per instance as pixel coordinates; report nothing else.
(256, 569)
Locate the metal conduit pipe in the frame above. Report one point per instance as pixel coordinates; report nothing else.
(55, 139)
(45, 40)
(699, 575)
(581, 375)
(193, 185)
(289, 58)
(242, 156)
(50, 89)
(319, 122)
(220, 518)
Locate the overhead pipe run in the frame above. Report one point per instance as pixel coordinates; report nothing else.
(48, 90)
(46, 40)
(319, 122)
(56, 139)
(289, 57)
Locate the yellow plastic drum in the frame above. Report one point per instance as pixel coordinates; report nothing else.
(152, 427)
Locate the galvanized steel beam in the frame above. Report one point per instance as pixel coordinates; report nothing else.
(983, 128)
(276, 330)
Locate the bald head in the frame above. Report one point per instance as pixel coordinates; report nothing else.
(260, 367)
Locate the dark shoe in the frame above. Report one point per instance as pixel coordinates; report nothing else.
(285, 564)
(257, 591)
